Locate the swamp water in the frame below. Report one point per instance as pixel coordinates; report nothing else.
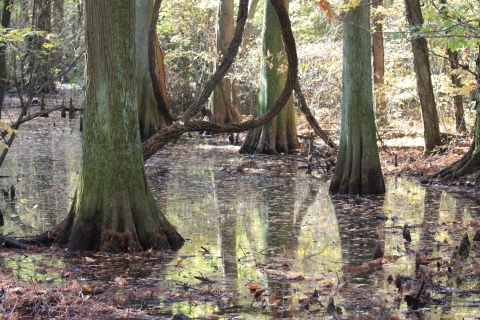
(270, 226)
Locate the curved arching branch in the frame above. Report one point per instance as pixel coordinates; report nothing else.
(162, 137)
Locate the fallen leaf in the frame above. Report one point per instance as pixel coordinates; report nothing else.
(121, 281)
(258, 293)
(179, 262)
(253, 287)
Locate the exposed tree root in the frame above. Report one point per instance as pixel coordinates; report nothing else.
(114, 241)
(465, 166)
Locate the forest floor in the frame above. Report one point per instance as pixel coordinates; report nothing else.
(100, 285)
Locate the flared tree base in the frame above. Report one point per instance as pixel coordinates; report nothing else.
(138, 229)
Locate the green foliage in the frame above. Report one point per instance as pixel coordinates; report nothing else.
(454, 24)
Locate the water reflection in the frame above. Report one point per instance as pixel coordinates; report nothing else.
(277, 227)
(42, 164)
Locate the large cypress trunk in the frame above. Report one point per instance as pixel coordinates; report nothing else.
(358, 168)
(280, 134)
(113, 208)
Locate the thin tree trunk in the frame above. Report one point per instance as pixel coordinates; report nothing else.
(379, 66)
(457, 83)
(6, 14)
(248, 28)
(42, 68)
(57, 15)
(431, 129)
(221, 103)
(457, 98)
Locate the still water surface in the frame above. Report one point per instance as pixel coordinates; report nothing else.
(276, 227)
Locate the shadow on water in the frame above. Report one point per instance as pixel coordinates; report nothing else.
(271, 227)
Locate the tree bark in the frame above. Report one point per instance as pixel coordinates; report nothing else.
(41, 65)
(457, 98)
(248, 28)
(379, 66)
(358, 168)
(280, 134)
(156, 58)
(221, 99)
(150, 111)
(57, 15)
(431, 129)
(113, 208)
(6, 14)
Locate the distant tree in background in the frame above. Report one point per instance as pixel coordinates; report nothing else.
(280, 134)
(221, 103)
(40, 60)
(358, 169)
(150, 113)
(378, 55)
(6, 15)
(453, 55)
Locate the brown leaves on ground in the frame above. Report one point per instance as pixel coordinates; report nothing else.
(412, 161)
(66, 301)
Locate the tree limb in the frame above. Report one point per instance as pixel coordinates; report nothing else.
(225, 64)
(162, 137)
(311, 119)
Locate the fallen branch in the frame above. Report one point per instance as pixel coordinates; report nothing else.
(10, 243)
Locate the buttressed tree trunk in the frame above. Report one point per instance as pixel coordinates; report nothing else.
(113, 208)
(358, 168)
(280, 134)
(220, 102)
(150, 115)
(421, 62)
